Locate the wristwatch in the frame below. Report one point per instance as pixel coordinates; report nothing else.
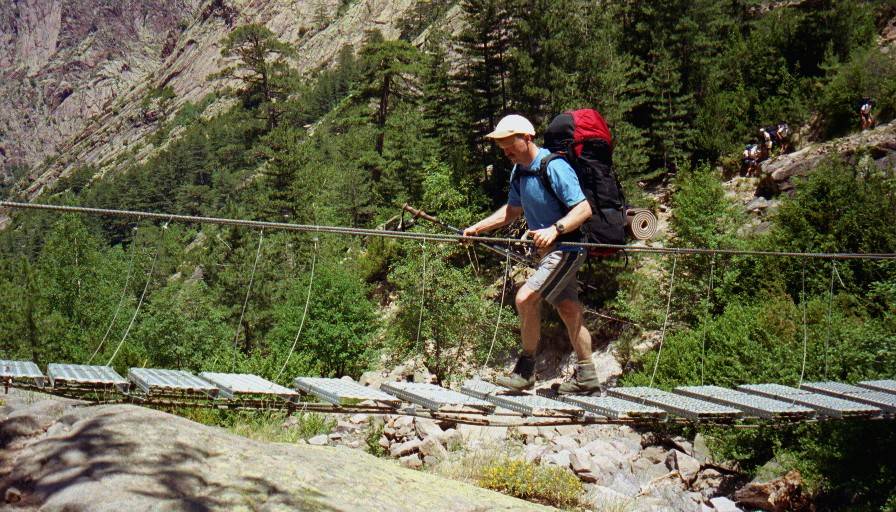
(560, 227)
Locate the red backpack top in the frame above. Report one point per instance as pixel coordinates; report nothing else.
(571, 129)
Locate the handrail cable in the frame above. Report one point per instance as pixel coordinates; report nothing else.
(304, 313)
(441, 237)
(239, 323)
(152, 270)
(422, 296)
(500, 310)
(659, 352)
(127, 281)
(712, 268)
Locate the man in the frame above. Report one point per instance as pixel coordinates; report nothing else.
(775, 135)
(865, 106)
(555, 278)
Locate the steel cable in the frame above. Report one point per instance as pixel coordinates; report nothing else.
(124, 290)
(435, 237)
(152, 269)
(659, 352)
(304, 313)
(246, 300)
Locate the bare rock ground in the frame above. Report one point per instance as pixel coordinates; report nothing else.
(61, 456)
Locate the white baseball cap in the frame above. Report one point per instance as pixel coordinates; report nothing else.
(512, 125)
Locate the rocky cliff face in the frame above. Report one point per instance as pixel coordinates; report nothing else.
(64, 63)
(76, 73)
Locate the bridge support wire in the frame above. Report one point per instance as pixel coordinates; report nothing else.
(632, 249)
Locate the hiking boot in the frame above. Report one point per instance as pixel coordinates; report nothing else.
(584, 381)
(523, 376)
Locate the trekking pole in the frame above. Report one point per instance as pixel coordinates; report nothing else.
(494, 248)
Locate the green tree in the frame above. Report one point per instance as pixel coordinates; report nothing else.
(262, 68)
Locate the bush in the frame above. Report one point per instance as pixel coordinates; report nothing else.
(550, 485)
(870, 73)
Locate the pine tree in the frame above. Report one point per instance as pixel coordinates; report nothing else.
(388, 69)
(484, 75)
(263, 68)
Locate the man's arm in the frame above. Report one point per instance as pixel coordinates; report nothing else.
(502, 217)
(579, 214)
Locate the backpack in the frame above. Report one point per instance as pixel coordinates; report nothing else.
(582, 138)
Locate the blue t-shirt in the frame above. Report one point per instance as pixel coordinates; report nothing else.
(539, 205)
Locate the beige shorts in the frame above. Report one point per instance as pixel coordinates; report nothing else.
(555, 277)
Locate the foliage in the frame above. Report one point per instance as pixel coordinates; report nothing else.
(550, 485)
(683, 85)
(262, 68)
(372, 434)
(272, 426)
(338, 329)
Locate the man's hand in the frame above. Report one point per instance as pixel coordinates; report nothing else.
(471, 231)
(544, 237)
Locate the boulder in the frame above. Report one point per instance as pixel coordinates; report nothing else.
(566, 443)
(701, 450)
(427, 428)
(534, 453)
(123, 457)
(580, 460)
(708, 482)
(402, 449)
(687, 466)
(412, 461)
(433, 448)
(779, 495)
(560, 458)
(655, 454)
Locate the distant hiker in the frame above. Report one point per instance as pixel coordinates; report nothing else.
(552, 215)
(865, 107)
(753, 154)
(775, 135)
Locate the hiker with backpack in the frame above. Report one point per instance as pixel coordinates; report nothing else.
(557, 189)
(753, 154)
(866, 119)
(775, 135)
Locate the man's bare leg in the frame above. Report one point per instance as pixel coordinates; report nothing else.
(528, 304)
(585, 380)
(572, 314)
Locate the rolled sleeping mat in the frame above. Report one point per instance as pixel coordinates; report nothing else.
(640, 223)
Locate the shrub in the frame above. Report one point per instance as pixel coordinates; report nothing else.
(372, 434)
(550, 485)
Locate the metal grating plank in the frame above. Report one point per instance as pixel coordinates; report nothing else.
(80, 375)
(884, 401)
(235, 384)
(690, 408)
(155, 381)
(19, 371)
(614, 407)
(824, 405)
(344, 392)
(437, 398)
(887, 386)
(753, 404)
(524, 403)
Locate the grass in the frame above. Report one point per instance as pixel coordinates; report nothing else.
(264, 426)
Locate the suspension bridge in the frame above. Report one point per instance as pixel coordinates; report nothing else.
(477, 401)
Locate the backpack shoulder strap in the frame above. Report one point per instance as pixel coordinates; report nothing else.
(546, 178)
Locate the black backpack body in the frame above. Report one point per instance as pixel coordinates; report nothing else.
(582, 138)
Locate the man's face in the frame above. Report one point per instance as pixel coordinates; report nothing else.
(515, 148)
